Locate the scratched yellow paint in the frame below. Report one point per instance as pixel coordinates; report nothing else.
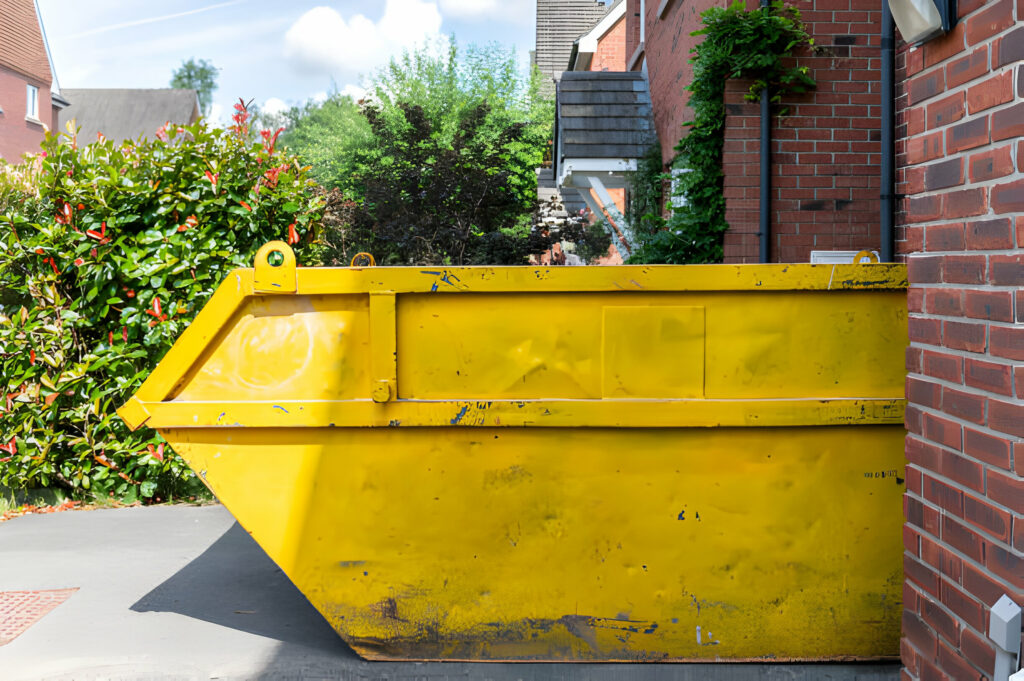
(621, 463)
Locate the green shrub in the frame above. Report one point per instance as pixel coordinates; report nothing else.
(135, 239)
(19, 188)
(437, 165)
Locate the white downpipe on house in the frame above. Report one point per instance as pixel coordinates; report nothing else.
(643, 22)
(1004, 631)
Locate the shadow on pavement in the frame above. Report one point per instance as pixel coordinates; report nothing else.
(234, 584)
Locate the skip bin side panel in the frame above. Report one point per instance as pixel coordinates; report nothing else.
(282, 348)
(591, 544)
(555, 346)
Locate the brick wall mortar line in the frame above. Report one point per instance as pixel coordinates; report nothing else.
(933, 599)
(959, 554)
(964, 388)
(953, 221)
(964, 87)
(994, 288)
(1002, 251)
(943, 577)
(967, 184)
(965, 354)
(976, 426)
(963, 488)
(961, 318)
(965, 51)
(944, 608)
(969, 320)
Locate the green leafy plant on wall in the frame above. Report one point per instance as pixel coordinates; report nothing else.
(95, 289)
(757, 45)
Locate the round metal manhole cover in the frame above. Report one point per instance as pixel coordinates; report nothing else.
(19, 610)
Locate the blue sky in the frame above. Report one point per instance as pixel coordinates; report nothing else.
(272, 51)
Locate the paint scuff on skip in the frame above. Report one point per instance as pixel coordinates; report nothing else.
(458, 417)
(446, 277)
(278, 406)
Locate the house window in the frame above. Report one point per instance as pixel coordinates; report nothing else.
(32, 102)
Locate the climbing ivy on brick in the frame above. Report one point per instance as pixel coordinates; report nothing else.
(757, 45)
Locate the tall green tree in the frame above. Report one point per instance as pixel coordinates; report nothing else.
(200, 76)
(437, 162)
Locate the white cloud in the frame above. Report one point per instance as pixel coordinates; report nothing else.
(216, 117)
(321, 97)
(274, 106)
(354, 91)
(518, 11)
(322, 41)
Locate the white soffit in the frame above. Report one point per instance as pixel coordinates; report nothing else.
(613, 167)
(588, 43)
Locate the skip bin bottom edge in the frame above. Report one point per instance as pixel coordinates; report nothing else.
(578, 544)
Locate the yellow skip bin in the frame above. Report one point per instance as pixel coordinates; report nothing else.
(566, 463)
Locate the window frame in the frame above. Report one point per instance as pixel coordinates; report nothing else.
(31, 102)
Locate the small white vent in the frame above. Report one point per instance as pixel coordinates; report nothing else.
(835, 257)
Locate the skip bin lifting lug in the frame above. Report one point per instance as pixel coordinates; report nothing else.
(275, 269)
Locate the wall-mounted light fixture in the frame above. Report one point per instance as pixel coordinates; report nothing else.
(922, 20)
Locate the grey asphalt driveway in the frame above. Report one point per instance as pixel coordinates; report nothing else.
(179, 592)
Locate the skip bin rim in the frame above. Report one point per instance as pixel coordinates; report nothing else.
(386, 283)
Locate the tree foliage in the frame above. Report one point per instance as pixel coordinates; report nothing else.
(200, 76)
(438, 161)
(134, 239)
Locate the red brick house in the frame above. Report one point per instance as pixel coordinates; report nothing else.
(825, 155)
(602, 48)
(958, 213)
(26, 106)
(960, 226)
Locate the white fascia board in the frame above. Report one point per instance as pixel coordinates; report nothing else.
(570, 166)
(588, 43)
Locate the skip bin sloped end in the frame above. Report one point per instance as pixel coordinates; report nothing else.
(133, 413)
(211, 320)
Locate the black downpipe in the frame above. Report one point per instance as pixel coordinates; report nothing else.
(888, 184)
(764, 218)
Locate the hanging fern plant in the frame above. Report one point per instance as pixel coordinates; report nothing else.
(755, 45)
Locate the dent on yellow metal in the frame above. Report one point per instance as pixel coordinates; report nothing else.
(623, 463)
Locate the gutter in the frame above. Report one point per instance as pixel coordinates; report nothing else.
(888, 150)
(765, 199)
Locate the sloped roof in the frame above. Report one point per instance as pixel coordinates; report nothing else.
(603, 115)
(21, 40)
(122, 114)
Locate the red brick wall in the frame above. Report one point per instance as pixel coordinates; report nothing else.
(825, 151)
(667, 45)
(741, 165)
(17, 135)
(960, 156)
(632, 30)
(611, 50)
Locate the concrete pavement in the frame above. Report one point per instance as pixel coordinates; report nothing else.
(179, 592)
